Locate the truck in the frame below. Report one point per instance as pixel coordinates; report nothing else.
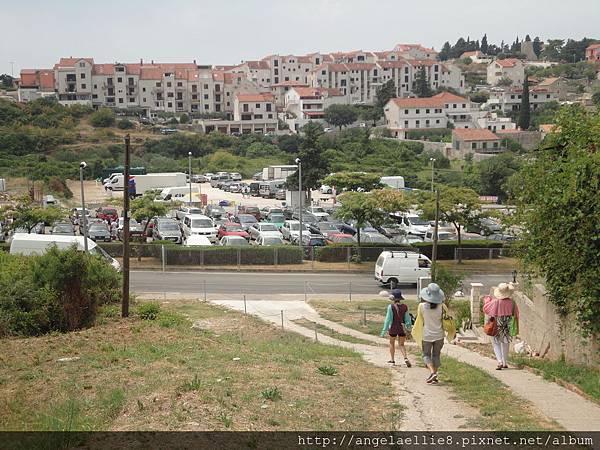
(395, 182)
(108, 172)
(147, 182)
(278, 172)
(268, 189)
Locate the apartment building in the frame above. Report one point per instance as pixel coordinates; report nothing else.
(73, 80)
(592, 53)
(477, 57)
(507, 100)
(303, 104)
(476, 141)
(510, 68)
(36, 83)
(491, 121)
(293, 68)
(357, 81)
(405, 114)
(415, 51)
(279, 91)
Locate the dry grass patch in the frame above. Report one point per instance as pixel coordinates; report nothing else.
(165, 375)
(322, 329)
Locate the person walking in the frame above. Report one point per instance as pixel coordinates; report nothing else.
(398, 324)
(502, 309)
(431, 325)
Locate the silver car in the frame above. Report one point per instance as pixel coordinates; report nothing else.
(99, 232)
(167, 230)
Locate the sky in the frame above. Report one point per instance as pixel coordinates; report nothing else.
(36, 33)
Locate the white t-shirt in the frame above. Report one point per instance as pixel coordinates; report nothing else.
(432, 322)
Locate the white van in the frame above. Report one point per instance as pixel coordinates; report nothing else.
(178, 193)
(413, 224)
(37, 244)
(197, 224)
(400, 267)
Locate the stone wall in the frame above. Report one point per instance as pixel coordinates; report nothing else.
(529, 140)
(542, 328)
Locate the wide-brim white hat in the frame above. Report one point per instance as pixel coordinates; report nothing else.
(504, 290)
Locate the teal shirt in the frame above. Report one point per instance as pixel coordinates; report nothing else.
(389, 318)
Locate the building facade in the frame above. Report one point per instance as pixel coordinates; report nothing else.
(510, 68)
(476, 141)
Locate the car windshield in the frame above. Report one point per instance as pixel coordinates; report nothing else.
(251, 209)
(316, 241)
(272, 241)
(268, 227)
(109, 211)
(64, 227)
(326, 226)
(375, 238)
(276, 218)
(237, 241)
(168, 226)
(318, 209)
(344, 239)
(245, 218)
(276, 211)
(296, 226)
(194, 211)
(98, 227)
(133, 222)
(202, 223)
(417, 221)
(233, 228)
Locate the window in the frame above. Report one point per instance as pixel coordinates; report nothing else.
(218, 98)
(170, 94)
(179, 84)
(275, 63)
(246, 117)
(194, 88)
(547, 95)
(205, 96)
(270, 116)
(406, 124)
(130, 81)
(82, 76)
(323, 72)
(276, 71)
(120, 99)
(169, 84)
(81, 64)
(495, 145)
(156, 104)
(144, 100)
(454, 105)
(437, 121)
(418, 111)
(131, 99)
(94, 96)
(426, 111)
(258, 116)
(180, 105)
(257, 106)
(245, 107)
(512, 97)
(170, 105)
(474, 145)
(406, 79)
(144, 89)
(83, 86)
(119, 80)
(194, 97)
(158, 84)
(534, 95)
(406, 111)
(179, 96)
(206, 86)
(427, 123)
(205, 106)
(464, 105)
(268, 107)
(95, 86)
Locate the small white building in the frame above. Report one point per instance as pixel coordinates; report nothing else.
(303, 104)
(510, 68)
(477, 57)
(491, 121)
(507, 100)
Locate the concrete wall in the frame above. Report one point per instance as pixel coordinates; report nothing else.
(529, 140)
(540, 326)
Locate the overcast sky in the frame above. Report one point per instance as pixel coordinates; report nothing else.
(36, 33)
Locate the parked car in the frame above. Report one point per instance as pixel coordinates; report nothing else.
(107, 213)
(340, 238)
(263, 229)
(374, 238)
(306, 218)
(135, 228)
(63, 229)
(500, 237)
(280, 194)
(323, 228)
(245, 220)
(485, 227)
(214, 211)
(235, 176)
(197, 241)
(186, 211)
(200, 179)
(200, 225)
(250, 209)
(291, 230)
(309, 242)
(442, 236)
(391, 230)
(325, 189)
(257, 176)
(232, 229)
(413, 238)
(235, 187)
(269, 240)
(165, 229)
(350, 228)
(99, 232)
(264, 212)
(276, 219)
(233, 241)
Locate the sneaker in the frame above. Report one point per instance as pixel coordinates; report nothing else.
(505, 366)
(435, 380)
(392, 362)
(430, 378)
(407, 362)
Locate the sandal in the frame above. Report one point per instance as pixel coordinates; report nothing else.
(499, 367)
(391, 361)
(407, 362)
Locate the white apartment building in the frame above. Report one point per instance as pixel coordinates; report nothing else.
(507, 100)
(405, 114)
(510, 68)
(303, 104)
(415, 51)
(357, 81)
(491, 121)
(477, 57)
(73, 80)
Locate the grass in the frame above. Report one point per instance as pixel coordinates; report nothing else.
(582, 379)
(322, 329)
(474, 266)
(500, 409)
(163, 374)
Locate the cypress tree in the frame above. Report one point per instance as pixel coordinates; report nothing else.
(422, 84)
(525, 112)
(484, 44)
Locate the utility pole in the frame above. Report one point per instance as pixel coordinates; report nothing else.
(125, 300)
(432, 166)
(82, 166)
(190, 174)
(435, 236)
(300, 200)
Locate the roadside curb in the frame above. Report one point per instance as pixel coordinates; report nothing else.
(250, 270)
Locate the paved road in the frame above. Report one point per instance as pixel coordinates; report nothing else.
(271, 283)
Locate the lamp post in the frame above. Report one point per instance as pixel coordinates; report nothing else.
(432, 166)
(190, 173)
(82, 166)
(299, 201)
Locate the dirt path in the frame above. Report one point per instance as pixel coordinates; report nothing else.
(422, 402)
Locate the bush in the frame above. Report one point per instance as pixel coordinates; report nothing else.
(125, 124)
(184, 118)
(438, 135)
(447, 281)
(102, 118)
(58, 291)
(148, 311)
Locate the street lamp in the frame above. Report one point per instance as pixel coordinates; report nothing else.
(432, 166)
(300, 200)
(82, 166)
(190, 173)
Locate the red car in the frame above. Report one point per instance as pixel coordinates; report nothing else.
(252, 210)
(107, 213)
(232, 229)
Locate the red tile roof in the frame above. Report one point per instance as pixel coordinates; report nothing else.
(407, 47)
(593, 47)
(448, 97)
(103, 69)
(508, 62)
(257, 65)
(28, 78)
(133, 69)
(422, 62)
(253, 97)
(151, 73)
(70, 62)
(40, 78)
(46, 79)
(468, 134)
(392, 64)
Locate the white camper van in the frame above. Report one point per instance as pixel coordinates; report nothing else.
(401, 267)
(178, 193)
(37, 244)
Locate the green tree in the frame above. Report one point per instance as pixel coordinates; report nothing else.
(422, 88)
(391, 201)
(557, 204)
(552, 49)
(352, 181)
(125, 124)
(370, 114)
(525, 111)
(479, 97)
(145, 208)
(102, 118)
(495, 172)
(314, 166)
(596, 99)
(504, 82)
(445, 52)
(26, 214)
(484, 44)
(340, 115)
(6, 81)
(384, 93)
(184, 118)
(537, 46)
(362, 208)
(459, 206)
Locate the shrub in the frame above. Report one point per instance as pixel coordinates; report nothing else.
(184, 118)
(148, 311)
(125, 124)
(272, 394)
(447, 281)
(58, 291)
(327, 370)
(170, 319)
(102, 118)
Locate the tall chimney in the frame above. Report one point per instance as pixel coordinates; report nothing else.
(194, 62)
(141, 62)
